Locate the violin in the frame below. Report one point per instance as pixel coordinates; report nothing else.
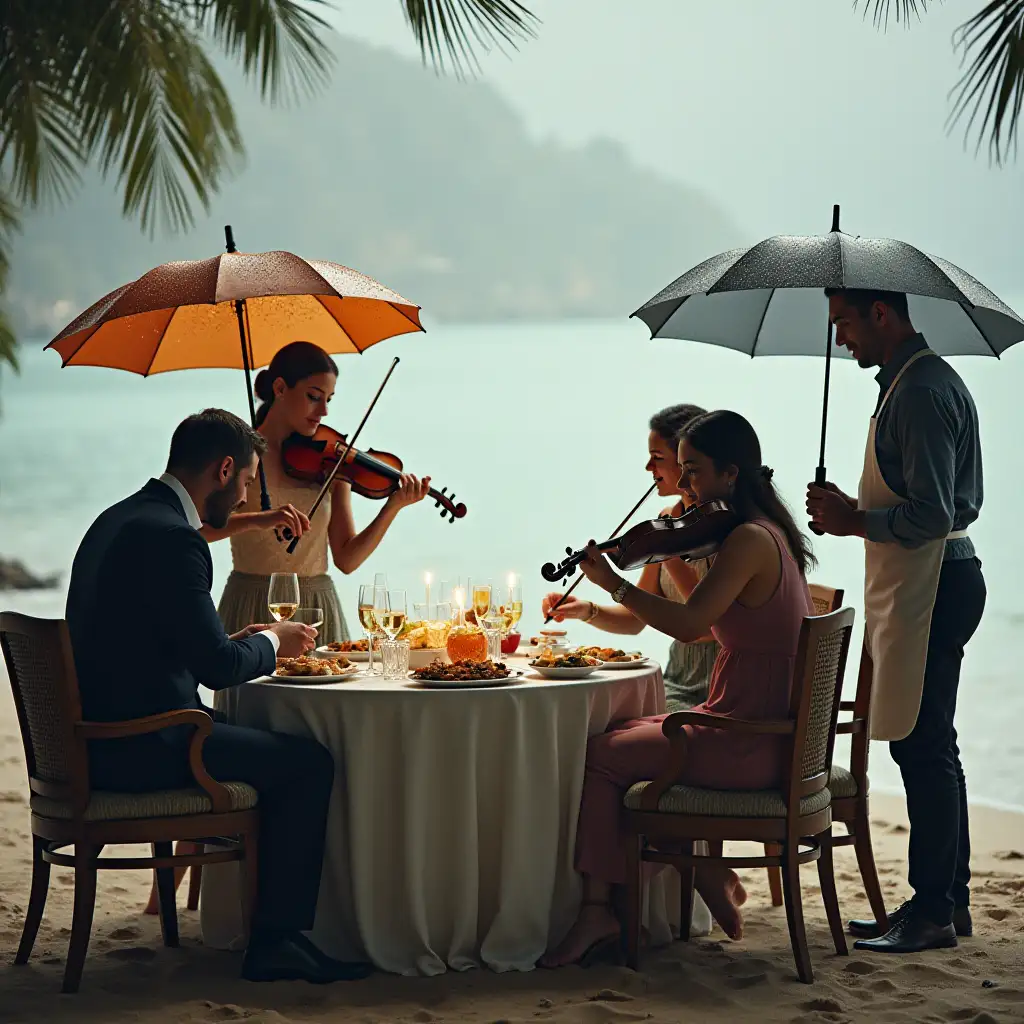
(695, 534)
(371, 473)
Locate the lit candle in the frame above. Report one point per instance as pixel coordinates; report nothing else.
(460, 600)
(426, 580)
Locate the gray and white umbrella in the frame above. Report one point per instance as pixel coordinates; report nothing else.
(768, 300)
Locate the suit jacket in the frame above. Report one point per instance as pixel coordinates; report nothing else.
(144, 628)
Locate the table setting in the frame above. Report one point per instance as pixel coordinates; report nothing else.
(452, 826)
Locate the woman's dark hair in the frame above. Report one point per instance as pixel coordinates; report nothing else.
(729, 440)
(296, 361)
(669, 422)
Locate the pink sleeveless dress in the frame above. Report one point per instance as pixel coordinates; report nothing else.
(751, 680)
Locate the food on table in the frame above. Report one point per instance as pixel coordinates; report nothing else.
(548, 659)
(307, 666)
(348, 646)
(466, 643)
(609, 654)
(464, 670)
(424, 636)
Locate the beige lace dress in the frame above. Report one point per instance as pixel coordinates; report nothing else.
(258, 553)
(688, 672)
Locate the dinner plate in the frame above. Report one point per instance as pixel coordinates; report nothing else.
(326, 652)
(565, 673)
(632, 663)
(316, 680)
(467, 684)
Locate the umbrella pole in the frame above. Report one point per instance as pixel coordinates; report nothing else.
(820, 475)
(229, 239)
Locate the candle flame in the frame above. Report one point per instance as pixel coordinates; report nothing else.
(511, 579)
(427, 578)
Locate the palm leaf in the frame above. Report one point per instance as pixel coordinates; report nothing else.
(900, 9)
(451, 30)
(991, 89)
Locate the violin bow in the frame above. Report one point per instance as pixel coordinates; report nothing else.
(581, 577)
(334, 472)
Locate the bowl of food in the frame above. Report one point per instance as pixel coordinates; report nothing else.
(614, 657)
(318, 669)
(510, 643)
(354, 650)
(552, 665)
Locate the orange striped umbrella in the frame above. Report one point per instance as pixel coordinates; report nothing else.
(183, 315)
(235, 311)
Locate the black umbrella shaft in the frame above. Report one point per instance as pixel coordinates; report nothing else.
(820, 475)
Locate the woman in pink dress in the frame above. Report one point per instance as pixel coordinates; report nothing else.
(753, 600)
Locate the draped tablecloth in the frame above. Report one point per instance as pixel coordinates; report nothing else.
(452, 825)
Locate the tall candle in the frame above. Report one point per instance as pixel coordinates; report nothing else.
(426, 580)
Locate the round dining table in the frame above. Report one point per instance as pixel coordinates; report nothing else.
(452, 824)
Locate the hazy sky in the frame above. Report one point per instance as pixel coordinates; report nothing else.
(779, 108)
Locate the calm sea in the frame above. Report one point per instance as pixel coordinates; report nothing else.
(541, 430)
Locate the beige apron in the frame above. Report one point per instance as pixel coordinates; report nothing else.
(899, 594)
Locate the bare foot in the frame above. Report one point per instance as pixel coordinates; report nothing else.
(724, 894)
(153, 906)
(595, 923)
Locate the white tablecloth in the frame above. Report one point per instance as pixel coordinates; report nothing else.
(452, 824)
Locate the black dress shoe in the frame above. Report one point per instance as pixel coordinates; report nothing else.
(294, 958)
(868, 929)
(912, 933)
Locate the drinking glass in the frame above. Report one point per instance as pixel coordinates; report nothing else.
(380, 609)
(512, 609)
(392, 618)
(481, 600)
(313, 616)
(368, 620)
(493, 624)
(395, 655)
(421, 612)
(283, 595)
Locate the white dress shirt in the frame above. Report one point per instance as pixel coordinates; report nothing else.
(192, 515)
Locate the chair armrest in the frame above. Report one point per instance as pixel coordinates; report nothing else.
(220, 798)
(847, 705)
(848, 728)
(674, 724)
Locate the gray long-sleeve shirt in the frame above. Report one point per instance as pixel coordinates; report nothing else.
(928, 448)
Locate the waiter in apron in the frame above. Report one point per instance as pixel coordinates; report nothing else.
(924, 595)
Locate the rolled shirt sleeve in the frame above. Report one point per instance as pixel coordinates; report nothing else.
(925, 427)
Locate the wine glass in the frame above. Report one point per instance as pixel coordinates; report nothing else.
(283, 595)
(481, 598)
(393, 619)
(512, 609)
(368, 620)
(380, 609)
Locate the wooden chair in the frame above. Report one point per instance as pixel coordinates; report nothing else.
(825, 600)
(666, 818)
(67, 812)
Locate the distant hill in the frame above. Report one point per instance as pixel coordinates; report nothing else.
(431, 185)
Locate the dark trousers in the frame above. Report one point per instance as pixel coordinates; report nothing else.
(929, 759)
(293, 776)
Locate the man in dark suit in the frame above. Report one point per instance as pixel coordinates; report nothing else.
(145, 633)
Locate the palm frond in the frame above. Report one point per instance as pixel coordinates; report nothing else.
(9, 224)
(277, 41)
(991, 90)
(451, 30)
(900, 9)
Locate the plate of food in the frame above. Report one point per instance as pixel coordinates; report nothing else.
(552, 665)
(464, 674)
(354, 650)
(614, 657)
(319, 669)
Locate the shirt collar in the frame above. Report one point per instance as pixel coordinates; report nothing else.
(887, 374)
(189, 506)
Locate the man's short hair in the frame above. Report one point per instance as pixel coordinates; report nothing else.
(862, 299)
(211, 436)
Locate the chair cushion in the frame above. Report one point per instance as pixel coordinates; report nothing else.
(163, 803)
(841, 783)
(726, 803)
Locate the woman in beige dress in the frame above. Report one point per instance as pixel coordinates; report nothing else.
(294, 393)
(689, 665)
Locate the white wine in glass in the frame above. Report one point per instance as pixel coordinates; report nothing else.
(512, 609)
(368, 620)
(392, 618)
(283, 595)
(481, 601)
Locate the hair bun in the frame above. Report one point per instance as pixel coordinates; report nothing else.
(766, 473)
(263, 386)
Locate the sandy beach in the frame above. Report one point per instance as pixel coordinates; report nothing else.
(129, 976)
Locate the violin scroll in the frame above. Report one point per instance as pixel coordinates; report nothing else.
(446, 503)
(566, 568)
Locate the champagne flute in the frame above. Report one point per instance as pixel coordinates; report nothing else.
(380, 609)
(481, 598)
(512, 609)
(368, 620)
(283, 595)
(393, 618)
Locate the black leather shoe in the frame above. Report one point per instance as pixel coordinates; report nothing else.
(912, 933)
(868, 929)
(295, 958)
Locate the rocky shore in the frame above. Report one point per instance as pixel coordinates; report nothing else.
(14, 576)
